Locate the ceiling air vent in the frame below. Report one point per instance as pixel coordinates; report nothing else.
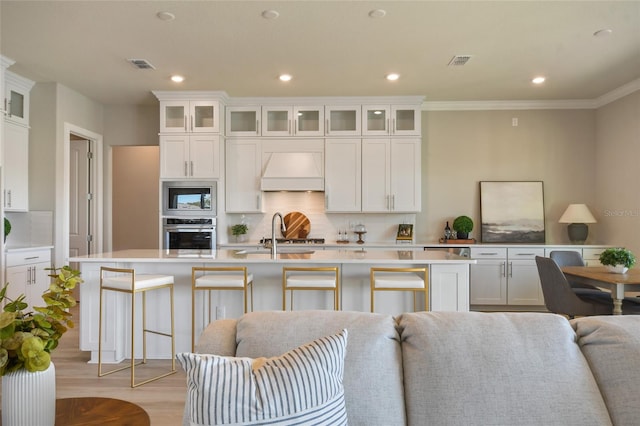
(142, 64)
(459, 60)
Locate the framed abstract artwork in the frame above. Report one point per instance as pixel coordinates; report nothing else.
(512, 212)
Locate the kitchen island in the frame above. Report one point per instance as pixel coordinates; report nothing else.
(448, 288)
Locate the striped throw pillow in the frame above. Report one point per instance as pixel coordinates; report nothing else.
(301, 387)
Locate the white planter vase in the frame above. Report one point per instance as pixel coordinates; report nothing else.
(618, 269)
(29, 398)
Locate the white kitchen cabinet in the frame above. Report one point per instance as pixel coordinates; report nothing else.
(16, 98)
(394, 120)
(16, 167)
(189, 156)
(343, 175)
(243, 121)
(189, 116)
(26, 274)
(523, 281)
(391, 178)
(591, 256)
(488, 276)
(505, 276)
(342, 120)
(243, 172)
(292, 120)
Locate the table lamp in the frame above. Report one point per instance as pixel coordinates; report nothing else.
(577, 216)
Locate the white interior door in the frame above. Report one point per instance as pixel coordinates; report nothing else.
(79, 200)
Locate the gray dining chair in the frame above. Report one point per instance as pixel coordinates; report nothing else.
(560, 298)
(573, 258)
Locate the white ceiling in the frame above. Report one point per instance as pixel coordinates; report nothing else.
(332, 48)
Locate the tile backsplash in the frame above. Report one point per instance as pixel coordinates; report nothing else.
(381, 227)
(33, 228)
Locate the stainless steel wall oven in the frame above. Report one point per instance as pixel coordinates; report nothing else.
(189, 233)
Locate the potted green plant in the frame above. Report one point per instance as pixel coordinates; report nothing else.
(27, 338)
(617, 259)
(463, 225)
(7, 228)
(239, 230)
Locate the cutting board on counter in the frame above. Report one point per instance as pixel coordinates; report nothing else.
(298, 225)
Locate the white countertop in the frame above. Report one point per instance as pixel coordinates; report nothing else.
(252, 255)
(21, 248)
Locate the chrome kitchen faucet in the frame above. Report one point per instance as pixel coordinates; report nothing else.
(283, 227)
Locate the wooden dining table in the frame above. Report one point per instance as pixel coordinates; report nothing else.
(600, 276)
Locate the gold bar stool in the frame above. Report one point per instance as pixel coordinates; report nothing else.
(320, 278)
(127, 281)
(218, 278)
(400, 279)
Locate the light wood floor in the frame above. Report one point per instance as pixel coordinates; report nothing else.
(162, 399)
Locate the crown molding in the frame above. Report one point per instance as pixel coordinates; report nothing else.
(548, 104)
(618, 93)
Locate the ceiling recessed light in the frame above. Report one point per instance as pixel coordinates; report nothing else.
(603, 33)
(177, 78)
(285, 77)
(377, 13)
(538, 80)
(270, 14)
(392, 76)
(166, 16)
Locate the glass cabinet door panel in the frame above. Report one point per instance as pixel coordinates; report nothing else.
(243, 121)
(344, 120)
(203, 116)
(405, 119)
(278, 121)
(308, 120)
(17, 104)
(174, 117)
(375, 119)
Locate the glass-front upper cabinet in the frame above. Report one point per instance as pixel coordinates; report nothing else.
(375, 119)
(396, 120)
(405, 120)
(243, 121)
(189, 117)
(292, 121)
(16, 98)
(343, 120)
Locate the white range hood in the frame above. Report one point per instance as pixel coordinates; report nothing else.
(293, 171)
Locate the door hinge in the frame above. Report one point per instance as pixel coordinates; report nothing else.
(90, 155)
(89, 238)
(89, 196)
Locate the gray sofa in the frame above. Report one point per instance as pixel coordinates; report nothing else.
(452, 368)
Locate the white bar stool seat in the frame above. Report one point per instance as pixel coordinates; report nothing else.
(127, 281)
(319, 278)
(234, 278)
(400, 279)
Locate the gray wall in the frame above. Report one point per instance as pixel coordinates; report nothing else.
(462, 148)
(616, 171)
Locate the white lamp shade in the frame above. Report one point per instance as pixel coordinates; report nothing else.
(577, 213)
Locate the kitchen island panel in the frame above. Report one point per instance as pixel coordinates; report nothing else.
(448, 278)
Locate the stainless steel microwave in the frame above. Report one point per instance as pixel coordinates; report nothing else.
(189, 198)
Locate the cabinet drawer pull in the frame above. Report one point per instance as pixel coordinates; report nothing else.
(32, 258)
(488, 254)
(526, 254)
